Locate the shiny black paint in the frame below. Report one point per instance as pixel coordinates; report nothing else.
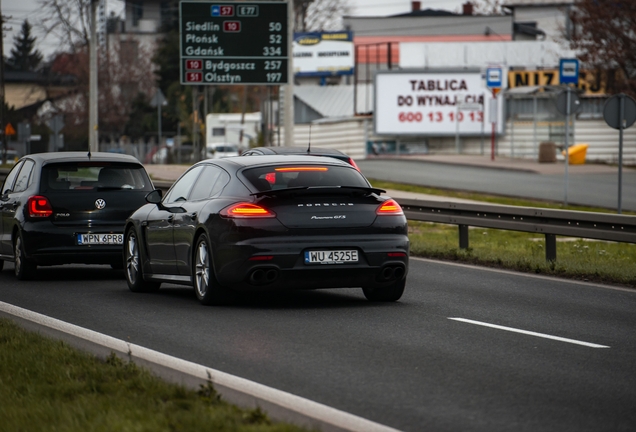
(53, 240)
(169, 256)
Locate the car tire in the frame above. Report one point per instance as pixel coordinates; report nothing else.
(206, 287)
(390, 293)
(24, 268)
(133, 268)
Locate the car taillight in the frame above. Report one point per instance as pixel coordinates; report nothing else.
(39, 206)
(354, 164)
(246, 210)
(389, 207)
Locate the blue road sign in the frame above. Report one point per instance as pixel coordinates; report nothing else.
(494, 77)
(569, 71)
(216, 11)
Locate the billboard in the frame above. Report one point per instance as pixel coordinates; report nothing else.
(433, 103)
(323, 53)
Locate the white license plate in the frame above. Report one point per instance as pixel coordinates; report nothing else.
(331, 257)
(100, 239)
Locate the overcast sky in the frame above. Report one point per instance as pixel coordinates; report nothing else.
(16, 11)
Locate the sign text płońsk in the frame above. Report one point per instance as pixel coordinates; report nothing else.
(233, 43)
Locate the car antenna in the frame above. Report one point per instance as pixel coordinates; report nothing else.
(309, 143)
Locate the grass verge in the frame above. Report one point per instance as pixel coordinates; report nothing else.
(46, 385)
(581, 259)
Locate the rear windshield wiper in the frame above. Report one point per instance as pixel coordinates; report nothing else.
(319, 189)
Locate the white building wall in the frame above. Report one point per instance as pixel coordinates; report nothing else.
(551, 19)
(529, 54)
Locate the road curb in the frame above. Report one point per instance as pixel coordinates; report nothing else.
(279, 405)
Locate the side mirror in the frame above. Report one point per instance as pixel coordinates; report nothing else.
(154, 197)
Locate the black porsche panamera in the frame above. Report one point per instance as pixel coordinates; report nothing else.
(264, 223)
(68, 207)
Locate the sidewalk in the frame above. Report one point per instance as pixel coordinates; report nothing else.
(507, 163)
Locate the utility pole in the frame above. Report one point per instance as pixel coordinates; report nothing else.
(289, 91)
(93, 144)
(4, 138)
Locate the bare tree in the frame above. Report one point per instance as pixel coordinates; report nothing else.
(68, 20)
(485, 7)
(604, 38)
(125, 67)
(317, 15)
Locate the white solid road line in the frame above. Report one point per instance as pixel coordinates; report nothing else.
(541, 335)
(279, 404)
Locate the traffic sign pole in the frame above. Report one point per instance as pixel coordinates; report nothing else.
(567, 145)
(619, 113)
(620, 151)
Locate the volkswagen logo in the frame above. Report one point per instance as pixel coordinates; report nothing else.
(100, 204)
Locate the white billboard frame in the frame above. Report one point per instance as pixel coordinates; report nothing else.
(407, 101)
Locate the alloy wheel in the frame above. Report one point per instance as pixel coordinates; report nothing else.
(202, 270)
(132, 258)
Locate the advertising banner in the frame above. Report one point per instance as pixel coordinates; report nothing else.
(323, 54)
(433, 103)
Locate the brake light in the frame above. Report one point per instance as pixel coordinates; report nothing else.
(389, 207)
(39, 207)
(246, 210)
(396, 254)
(301, 168)
(354, 164)
(271, 178)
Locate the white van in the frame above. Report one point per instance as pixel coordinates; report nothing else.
(217, 151)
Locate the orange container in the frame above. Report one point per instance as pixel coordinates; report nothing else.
(577, 154)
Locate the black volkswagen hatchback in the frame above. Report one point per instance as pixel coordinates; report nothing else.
(269, 223)
(68, 207)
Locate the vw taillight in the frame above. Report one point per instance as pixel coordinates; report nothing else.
(39, 207)
(389, 207)
(246, 210)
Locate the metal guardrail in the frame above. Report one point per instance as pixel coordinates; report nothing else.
(548, 222)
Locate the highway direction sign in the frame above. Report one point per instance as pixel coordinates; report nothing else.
(233, 43)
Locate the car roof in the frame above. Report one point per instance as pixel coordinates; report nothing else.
(300, 150)
(82, 157)
(259, 160)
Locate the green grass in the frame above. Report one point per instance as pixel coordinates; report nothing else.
(595, 261)
(46, 385)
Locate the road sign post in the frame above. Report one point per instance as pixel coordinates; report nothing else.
(620, 113)
(568, 103)
(494, 81)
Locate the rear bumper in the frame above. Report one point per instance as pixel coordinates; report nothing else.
(49, 244)
(382, 260)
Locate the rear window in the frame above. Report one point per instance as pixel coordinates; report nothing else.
(86, 176)
(226, 149)
(288, 176)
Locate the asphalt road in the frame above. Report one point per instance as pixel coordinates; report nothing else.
(591, 189)
(428, 362)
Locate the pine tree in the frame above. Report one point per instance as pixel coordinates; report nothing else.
(24, 57)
